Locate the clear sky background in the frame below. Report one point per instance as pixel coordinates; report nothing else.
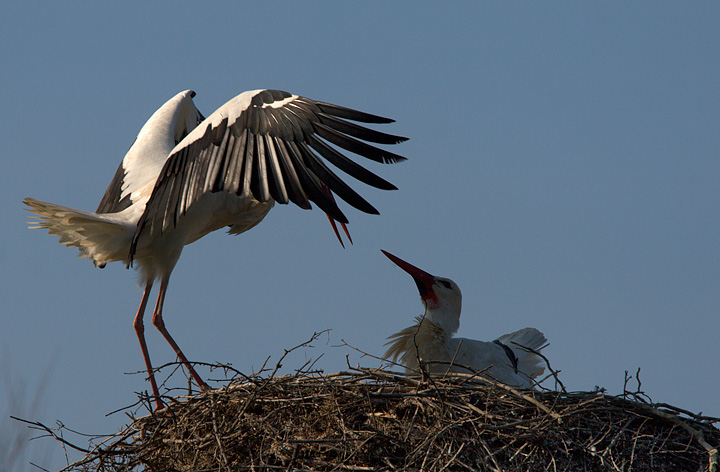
(562, 168)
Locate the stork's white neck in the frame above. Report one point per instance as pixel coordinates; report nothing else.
(445, 314)
(146, 157)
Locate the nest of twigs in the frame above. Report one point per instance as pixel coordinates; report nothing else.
(370, 419)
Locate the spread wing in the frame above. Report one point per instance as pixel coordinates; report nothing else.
(270, 144)
(185, 117)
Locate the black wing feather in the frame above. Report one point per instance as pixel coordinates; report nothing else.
(294, 185)
(111, 201)
(247, 171)
(228, 178)
(350, 114)
(314, 188)
(348, 166)
(268, 152)
(334, 183)
(353, 145)
(259, 180)
(358, 131)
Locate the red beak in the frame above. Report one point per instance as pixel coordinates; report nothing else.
(423, 280)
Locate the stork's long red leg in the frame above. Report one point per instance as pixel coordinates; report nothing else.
(140, 331)
(334, 227)
(332, 221)
(160, 325)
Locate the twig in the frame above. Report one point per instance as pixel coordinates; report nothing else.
(39, 426)
(554, 373)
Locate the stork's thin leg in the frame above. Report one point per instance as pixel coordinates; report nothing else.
(334, 227)
(140, 331)
(347, 233)
(332, 221)
(160, 325)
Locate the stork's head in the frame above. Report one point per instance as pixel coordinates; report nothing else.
(442, 297)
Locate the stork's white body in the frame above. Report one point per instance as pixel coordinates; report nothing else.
(107, 237)
(186, 176)
(430, 341)
(441, 353)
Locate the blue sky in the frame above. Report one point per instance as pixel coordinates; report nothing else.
(562, 168)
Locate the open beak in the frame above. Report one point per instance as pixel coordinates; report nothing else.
(423, 280)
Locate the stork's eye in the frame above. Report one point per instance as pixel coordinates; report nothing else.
(445, 283)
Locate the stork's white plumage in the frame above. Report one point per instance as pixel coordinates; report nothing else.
(186, 176)
(431, 340)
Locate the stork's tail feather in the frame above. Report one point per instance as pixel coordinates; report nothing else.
(402, 342)
(100, 237)
(528, 363)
